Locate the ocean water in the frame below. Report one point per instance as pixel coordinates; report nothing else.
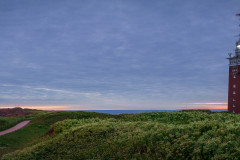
(139, 111)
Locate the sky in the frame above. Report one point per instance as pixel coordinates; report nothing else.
(116, 54)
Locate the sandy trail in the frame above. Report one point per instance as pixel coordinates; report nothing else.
(17, 127)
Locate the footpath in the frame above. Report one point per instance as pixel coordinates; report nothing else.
(17, 127)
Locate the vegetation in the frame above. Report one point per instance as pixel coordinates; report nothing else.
(39, 126)
(8, 122)
(159, 135)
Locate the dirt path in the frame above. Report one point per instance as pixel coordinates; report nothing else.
(17, 127)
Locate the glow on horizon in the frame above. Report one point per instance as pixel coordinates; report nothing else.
(57, 107)
(207, 105)
(210, 105)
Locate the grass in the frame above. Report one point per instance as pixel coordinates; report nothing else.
(160, 135)
(8, 122)
(38, 127)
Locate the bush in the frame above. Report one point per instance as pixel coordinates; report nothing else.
(160, 135)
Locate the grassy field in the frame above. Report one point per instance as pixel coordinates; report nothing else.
(40, 124)
(8, 122)
(87, 135)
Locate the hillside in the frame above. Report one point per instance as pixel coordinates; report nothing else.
(181, 135)
(14, 112)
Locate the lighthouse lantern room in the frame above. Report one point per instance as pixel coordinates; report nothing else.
(234, 79)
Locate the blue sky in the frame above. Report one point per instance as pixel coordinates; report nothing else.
(116, 54)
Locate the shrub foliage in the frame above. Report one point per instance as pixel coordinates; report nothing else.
(180, 135)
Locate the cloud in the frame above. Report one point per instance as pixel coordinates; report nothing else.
(115, 54)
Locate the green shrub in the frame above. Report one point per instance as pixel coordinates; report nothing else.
(182, 135)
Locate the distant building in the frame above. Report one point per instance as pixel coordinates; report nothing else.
(234, 80)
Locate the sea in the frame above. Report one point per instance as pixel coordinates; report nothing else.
(140, 111)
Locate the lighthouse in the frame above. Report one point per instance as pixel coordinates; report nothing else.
(234, 79)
